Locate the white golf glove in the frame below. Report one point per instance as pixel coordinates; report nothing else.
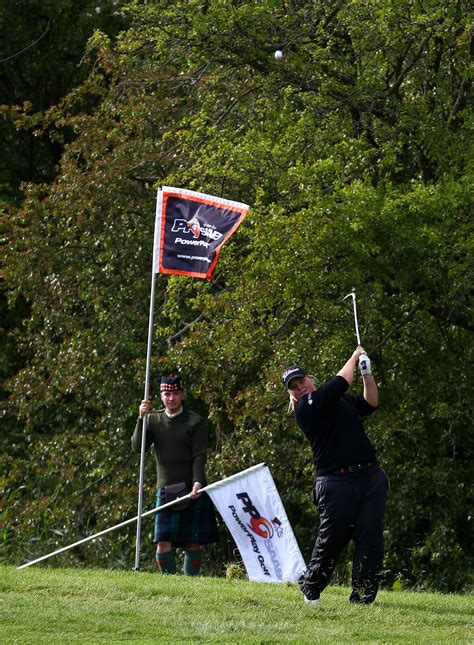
(364, 365)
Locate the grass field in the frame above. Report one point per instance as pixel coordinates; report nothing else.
(42, 605)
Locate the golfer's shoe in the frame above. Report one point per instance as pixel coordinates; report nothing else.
(316, 601)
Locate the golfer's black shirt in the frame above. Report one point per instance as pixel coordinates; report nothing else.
(330, 419)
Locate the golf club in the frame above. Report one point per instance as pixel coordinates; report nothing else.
(364, 360)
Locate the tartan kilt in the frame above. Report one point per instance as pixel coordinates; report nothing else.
(195, 524)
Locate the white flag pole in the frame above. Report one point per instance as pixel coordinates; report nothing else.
(134, 519)
(146, 395)
(232, 478)
(104, 532)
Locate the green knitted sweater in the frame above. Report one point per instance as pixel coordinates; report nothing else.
(180, 446)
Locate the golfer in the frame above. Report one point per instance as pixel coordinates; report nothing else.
(350, 488)
(180, 440)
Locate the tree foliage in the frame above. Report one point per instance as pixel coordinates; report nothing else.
(354, 152)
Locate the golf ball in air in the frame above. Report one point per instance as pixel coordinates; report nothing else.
(278, 54)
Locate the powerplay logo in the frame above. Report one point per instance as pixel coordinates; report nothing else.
(197, 229)
(262, 528)
(260, 525)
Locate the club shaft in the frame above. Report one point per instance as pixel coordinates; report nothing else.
(356, 323)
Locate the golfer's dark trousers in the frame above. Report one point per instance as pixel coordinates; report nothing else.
(351, 506)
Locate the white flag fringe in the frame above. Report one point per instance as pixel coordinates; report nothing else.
(251, 507)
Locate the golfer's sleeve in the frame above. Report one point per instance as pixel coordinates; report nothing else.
(331, 392)
(363, 407)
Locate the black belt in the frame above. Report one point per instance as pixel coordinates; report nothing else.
(354, 468)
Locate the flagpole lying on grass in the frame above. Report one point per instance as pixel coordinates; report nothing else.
(97, 535)
(134, 519)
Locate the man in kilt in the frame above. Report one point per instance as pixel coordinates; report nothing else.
(180, 440)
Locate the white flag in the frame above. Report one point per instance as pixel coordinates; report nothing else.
(251, 507)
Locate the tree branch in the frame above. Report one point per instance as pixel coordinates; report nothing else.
(410, 315)
(4, 60)
(182, 331)
(280, 327)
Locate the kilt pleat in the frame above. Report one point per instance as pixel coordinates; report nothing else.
(195, 524)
